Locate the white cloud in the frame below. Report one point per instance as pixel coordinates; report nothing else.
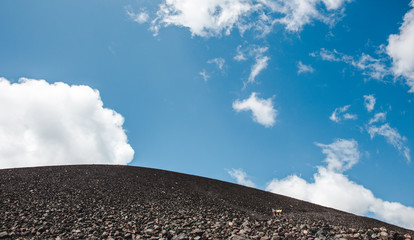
(327, 55)
(372, 67)
(297, 13)
(302, 68)
(334, 116)
(394, 212)
(349, 116)
(369, 102)
(260, 65)
(141, 17)
(334, 4)
(218, 61)
(240, 54)
(340, 114)
(58, 124)
(330, 187)
(204, 75)
(392, 136)
(401, 49)
(203, 17)
(340, 155)
(241, 177)
(208, 18)
(256, 52)
(249, 51)
(378, 117)
(262, 109)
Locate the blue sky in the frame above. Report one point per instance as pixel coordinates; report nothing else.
(293, 97)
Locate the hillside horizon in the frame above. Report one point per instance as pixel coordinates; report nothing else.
(78, 201)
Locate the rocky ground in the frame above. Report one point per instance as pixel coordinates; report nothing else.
(120, 202)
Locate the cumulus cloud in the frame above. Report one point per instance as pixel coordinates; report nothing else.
(394, 212)
(340, 155)
(208, 18)
(401, 49)
(218, 61)
(58, 124)
(340, 114)
(302, 68)
(262, 109)
(369, 102)
(203, 17)
(330, 187)
(241, 177)
(392, 136)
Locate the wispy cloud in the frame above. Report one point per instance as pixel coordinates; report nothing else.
(240, 56)
(368, 65)
(260, 60)
(206, 18)
(392, 136)
(400, 51)
(241, 177)
(378, 117)
(349, 116)
(330, 187)
(58, 124)
(260, 65)
(204, 75)
(219, 62)
(340, 114)
(297, 13)
(369, 102)
(262, 109)
(141, 17)
(302, 68)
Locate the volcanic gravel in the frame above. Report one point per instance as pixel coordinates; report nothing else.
(123, 202)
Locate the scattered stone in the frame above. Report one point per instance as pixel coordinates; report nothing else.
(237, 237)
(384, 234)
(180, 236)
(197, 231)
(102, 202)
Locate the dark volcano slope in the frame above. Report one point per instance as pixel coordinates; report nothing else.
(105, 202)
